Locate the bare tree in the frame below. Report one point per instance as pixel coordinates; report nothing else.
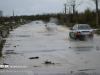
(72, 6)
(65, 8)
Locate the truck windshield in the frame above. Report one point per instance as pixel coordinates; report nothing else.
(82, 27)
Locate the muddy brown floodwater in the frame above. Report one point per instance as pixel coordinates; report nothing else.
(34, 49)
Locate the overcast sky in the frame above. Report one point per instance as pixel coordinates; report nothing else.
(29, 7)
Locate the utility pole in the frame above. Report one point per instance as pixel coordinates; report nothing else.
(65, 8)
(73, 6)
(69, 10)
(97, 13)
(13, 13)
(65, 16)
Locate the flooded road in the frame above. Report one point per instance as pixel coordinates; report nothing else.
(34, 49)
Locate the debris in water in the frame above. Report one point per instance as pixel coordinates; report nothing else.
(34, 58)
(5, 64)
(15, 46)
(86, 69)
(1, 68)
(10, 52)
(48, 62)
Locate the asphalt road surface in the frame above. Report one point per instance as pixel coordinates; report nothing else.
(34, 49)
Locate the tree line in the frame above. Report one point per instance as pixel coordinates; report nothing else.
(87, 17)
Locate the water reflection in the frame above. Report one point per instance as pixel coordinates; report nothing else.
(82, 46)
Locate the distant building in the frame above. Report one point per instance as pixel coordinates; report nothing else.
(1, 13)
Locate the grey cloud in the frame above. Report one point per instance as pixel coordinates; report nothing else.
(22, 7)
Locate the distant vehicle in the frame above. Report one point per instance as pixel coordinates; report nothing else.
(80, 31)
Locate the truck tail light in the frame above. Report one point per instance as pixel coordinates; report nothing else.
(78, 33)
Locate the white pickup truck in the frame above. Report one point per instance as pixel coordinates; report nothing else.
(79, 31)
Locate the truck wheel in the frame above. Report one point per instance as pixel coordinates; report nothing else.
(70, 35)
